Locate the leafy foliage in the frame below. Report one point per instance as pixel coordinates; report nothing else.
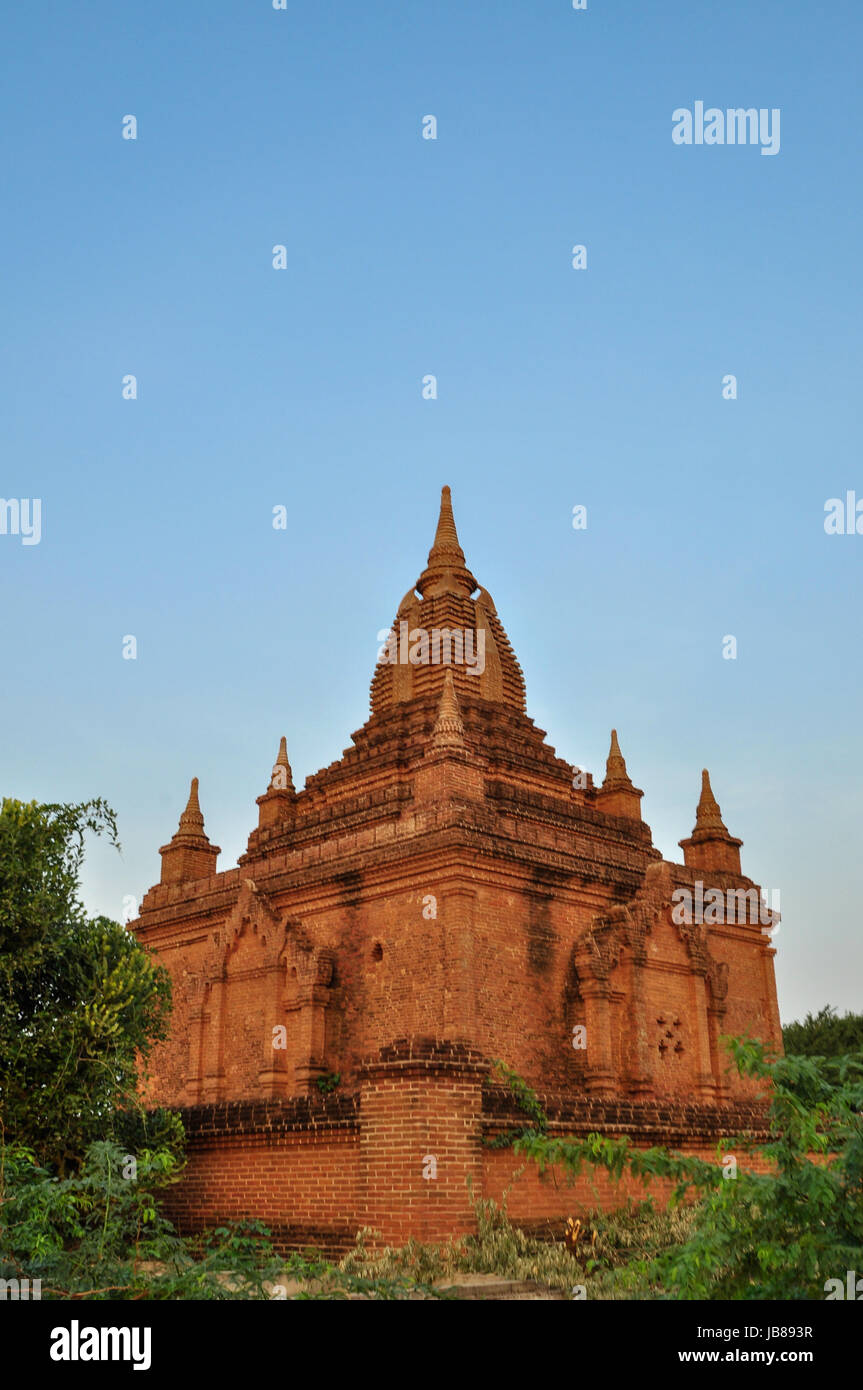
(780, 1234)
(824, 1034)
(41, 848)
(328, 1083)
(100, 1235)
(81, 1002)
(526, 1100)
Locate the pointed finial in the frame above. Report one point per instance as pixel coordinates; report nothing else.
(616, 774)
(189, 854)
(710, 846)
(282, 778)
(446, 536)
(446, 571)
(448, 729)
(708, 815)
(617, 795)
(192, 821)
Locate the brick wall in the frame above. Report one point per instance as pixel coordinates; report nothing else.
(294, 1165)
(316, 1170)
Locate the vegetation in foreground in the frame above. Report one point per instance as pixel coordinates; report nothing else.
(607, 1243)
(781, 1234)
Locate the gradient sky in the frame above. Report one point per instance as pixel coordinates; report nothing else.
(556, 387)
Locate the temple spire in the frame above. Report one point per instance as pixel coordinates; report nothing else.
(189, 854)
(445, 619)
(446, 536)
(449, 770)
(616, 775)
(708, 816)
(282, 778)
(617, 796)
(278, 804)
(192, 820)
(710, 846)
(446, 571)
(448, 729)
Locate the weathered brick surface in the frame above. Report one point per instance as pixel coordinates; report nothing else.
(445, 893)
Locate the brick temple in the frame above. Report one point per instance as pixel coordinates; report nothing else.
(446, 893)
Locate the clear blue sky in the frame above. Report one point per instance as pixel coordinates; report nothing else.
(302, 387)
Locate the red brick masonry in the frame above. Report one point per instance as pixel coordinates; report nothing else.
(317, 1170)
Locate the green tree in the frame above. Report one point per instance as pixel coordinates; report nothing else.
(81, 1002)
(825, 1034)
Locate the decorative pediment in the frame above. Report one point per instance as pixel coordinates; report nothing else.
(630, 924)
(251, 920)
(306, 963)
(653, 898)
(598, 951)
(653, 902)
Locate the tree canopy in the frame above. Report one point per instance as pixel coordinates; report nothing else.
(81, 1001)
(825, 1034)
